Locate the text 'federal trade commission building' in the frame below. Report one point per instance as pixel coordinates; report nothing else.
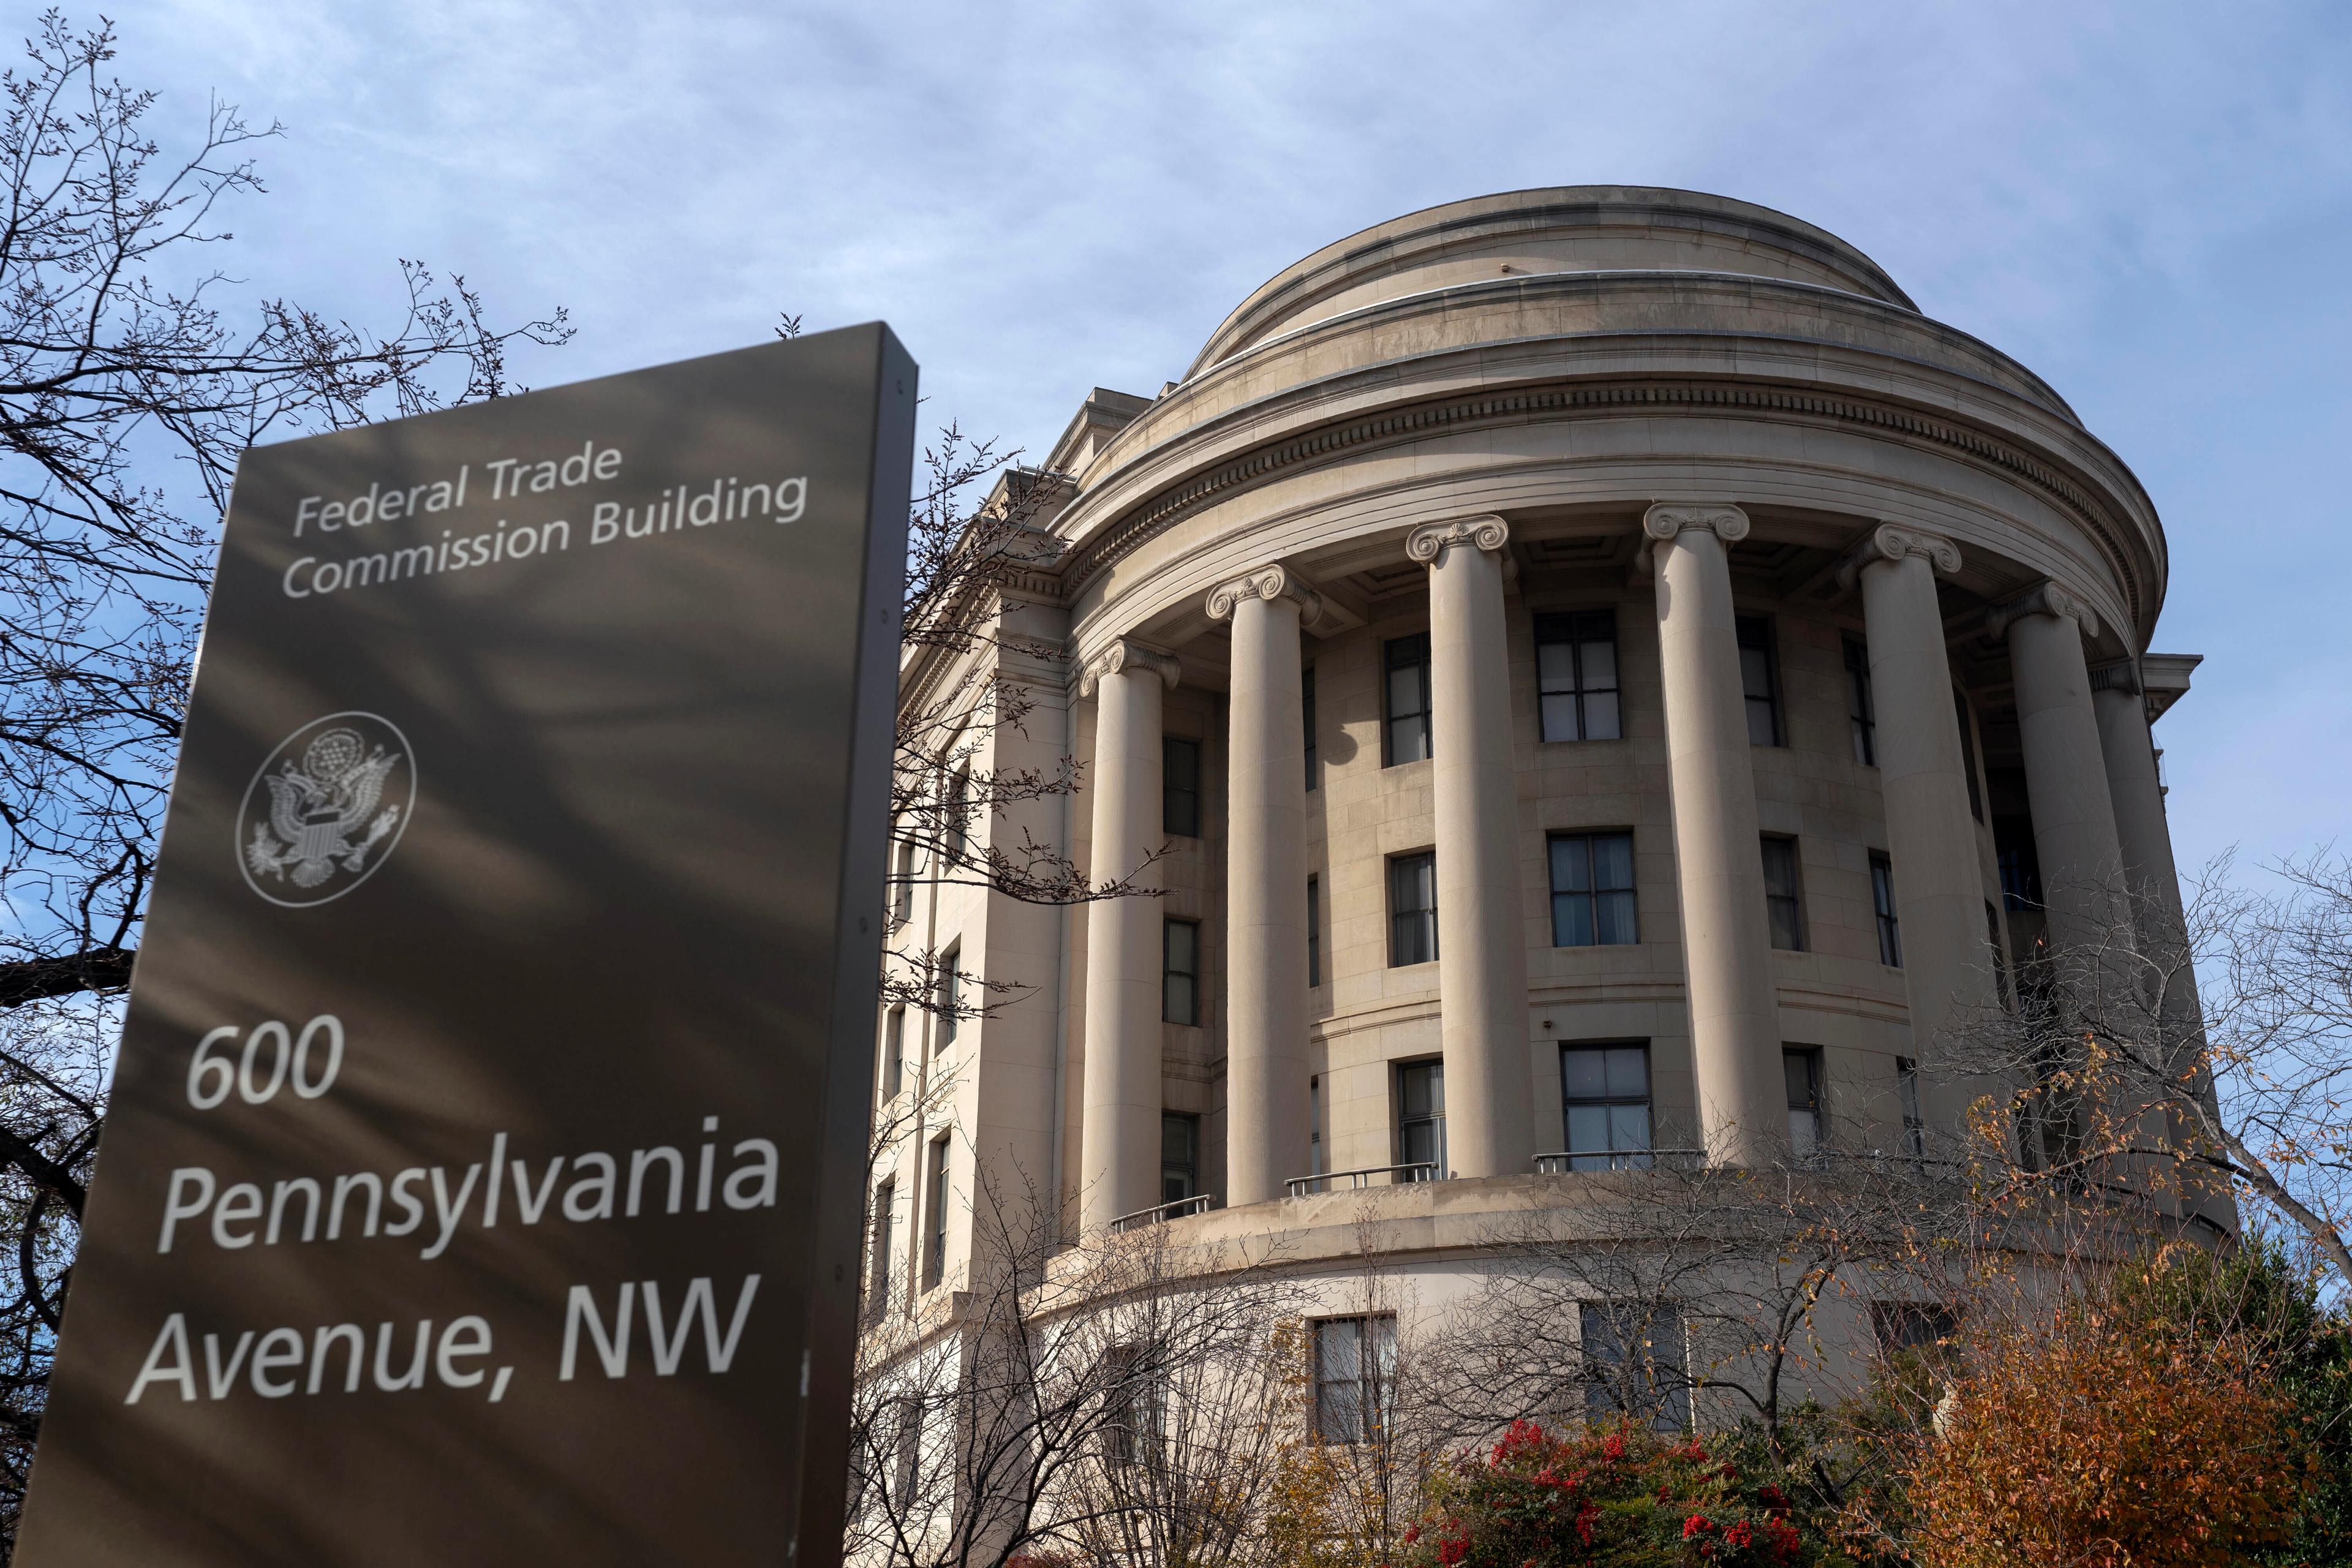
(1610, 680)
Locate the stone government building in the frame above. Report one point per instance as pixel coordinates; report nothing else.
(1612, 677)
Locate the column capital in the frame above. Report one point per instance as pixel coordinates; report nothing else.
(1893, 542)
(1269, 583)
(1429, 543)
(1664, 520)
(2045, 598)
(2122, 676)
(1127, 654)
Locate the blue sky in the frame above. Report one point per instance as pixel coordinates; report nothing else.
(2151, 205)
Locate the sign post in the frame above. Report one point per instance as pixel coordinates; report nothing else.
(483, 1179)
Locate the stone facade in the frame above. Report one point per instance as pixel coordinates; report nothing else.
(1715, 463)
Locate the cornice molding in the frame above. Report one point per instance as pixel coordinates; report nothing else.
(1430, 542)
(1126, 654)
(2123, 676)
(1163, 509)
(1893, 542)
(2045, 598)
(1269, 583)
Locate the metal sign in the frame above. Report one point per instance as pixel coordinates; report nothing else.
(482, 1181)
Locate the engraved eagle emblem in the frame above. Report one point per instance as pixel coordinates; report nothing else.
(325, 810)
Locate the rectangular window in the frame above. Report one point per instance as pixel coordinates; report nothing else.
(1861, 717)
(1412, 909)
(1313, 930)
(1593, 889)
(1355, 1365)
(1881, 904)
(1179, 1157)
(958, 809)
(951, 977)
(902, 884)
(1180, 976)
(894, 1053)
(1576, 675)
(1306, 718)
(1421, 1119)
(1915, 1125)
(1179, 787)
(935, 1247)
(1801, 1065)
(1968, 753)
(1759, 679)
(1634, 1364)
(1405, 699)
(878, 1288)
(1783, 903)
(1605, 1092)
(1314, 1124)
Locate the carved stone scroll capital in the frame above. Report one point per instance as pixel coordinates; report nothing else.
(1664, 521)
(1430, 542)
(2045, 598)
(1893, 542)
(1269, 583)
(1123, 655)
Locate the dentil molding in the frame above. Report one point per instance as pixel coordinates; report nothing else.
(1429, 543)
(1126, 654)
(1269, 583)
(1893, 542)
(2044, 599)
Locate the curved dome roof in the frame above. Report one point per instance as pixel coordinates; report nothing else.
(1560, 229)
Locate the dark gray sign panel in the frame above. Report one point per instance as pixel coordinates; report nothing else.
(482, 1182)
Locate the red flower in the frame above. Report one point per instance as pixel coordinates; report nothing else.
(1696, 1525)
(1614, 1448)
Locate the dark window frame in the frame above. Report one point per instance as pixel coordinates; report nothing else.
(1180, 787)
(878, 1268)
(1861, 707)
(1314, 932)
(1190, 1166)
(1175, 981)
(1885, 915)
(1790, 903)
(1915, 1120)
(1408, 652)
(1578, 631)
(1629, 1156)
(935, 1237)
(894, 1053)
(1968, 753)
(1603, 1331)
(1307, 720)
(1805, 1096)
(1757, 634)
(950, 979)
(1431, 1072)
(1406, 943)
(1353, 1381)
(1621, 915)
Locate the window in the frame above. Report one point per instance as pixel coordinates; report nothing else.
(1801, 1065)
(1179, 787)
(1355, 1365)
(1180, 973)
(1881, 904)
(959, 815)
(902, 885)
(950, 994)
(2020, 867)
(1593, 889)
(1968, 753)
(1306, 718)
(1313, 930)
(1915, 1125)
(1179, 1157)
(1783, 906)
(877, 1292)
(1421, 1119)
(1576, 675)
(1412, 909)
(894, 1053)
(1406, 696)
(1135, 1404)
(1860, 716)
(909, 1450)
(1314, 1124)
(935, 1250)
(1760, 680)
(1634, 1364)
(1606, 1091)
(1911, 1325)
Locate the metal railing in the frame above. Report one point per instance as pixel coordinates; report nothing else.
(1161, 1213)
(1413, 1171)
(1562, 1164)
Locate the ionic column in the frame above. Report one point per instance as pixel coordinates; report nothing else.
(1265, 886)
(2065, 766)
(1931, 838)
(1120, 1157)
(1482, 961)
(1718, 860)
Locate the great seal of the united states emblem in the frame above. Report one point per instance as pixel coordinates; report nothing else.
(325, 809)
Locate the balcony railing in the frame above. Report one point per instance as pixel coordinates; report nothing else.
(1398, 1176)
(1561, 1164)
(1161, 1213)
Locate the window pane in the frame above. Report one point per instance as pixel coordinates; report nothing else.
(1628, 1072)
(1559, 717)
(1763, 728)
(1572, 858)
(1182, 1007)
(1613, 860)
(1614, 920)
(1584, 1074)
(1556, 665)
(1600, 716)
(1588, 1127)
(1597, 664)
(1629, 1127)
(1756, 674)
(1779, 869)
(1572, 920)
(1183, 944)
